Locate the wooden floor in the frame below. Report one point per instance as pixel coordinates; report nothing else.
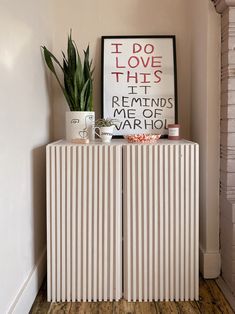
(211, 301)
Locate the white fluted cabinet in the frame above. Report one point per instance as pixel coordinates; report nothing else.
(84, 222)
(161, 221)
(122, 220)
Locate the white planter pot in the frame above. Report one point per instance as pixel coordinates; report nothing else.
(80, 125)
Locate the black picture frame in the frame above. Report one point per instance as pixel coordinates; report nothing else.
(139, 83)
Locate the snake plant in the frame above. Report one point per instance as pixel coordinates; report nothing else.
(104, 122)
(77, 85)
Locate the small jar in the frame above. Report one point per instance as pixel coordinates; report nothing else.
(173, 131)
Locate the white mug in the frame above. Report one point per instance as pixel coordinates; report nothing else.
(105, 133)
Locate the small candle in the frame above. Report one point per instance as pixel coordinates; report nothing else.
(173, 131)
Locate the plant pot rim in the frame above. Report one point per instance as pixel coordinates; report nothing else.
(78, 111)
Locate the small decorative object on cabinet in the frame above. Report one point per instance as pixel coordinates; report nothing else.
(173, 131)
(149, 254)
(143, 138)
(106, 128)
(77, 89)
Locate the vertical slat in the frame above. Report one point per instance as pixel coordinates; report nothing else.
(84, 224)
(171, 221)
(53, 221)
(48, 196)
(95, 221)
(133, 229)
(63, 225)
(182, 223)
(155, 184)
(100, 213)
(144, 223)
(161, 225)
(111, 224)
(89, 222)
(118, 222)
(68, 223)
(79, 222)
(150, 209)
(108, 222)
(166, 220)
(105, 219)
(138, 177)
(57, 224)
(196, 217)
(177, 158)
(192, 221)
(187, 235)
(127, 220)
(73, 222)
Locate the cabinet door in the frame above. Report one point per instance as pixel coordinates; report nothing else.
(160, 221)
(84, 222)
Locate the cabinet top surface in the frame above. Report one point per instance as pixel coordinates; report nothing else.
(122, 142)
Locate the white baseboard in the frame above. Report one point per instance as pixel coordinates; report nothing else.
(226, 291)
(27, 294)
(210, 264)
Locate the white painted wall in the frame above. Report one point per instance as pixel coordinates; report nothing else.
(205, 122)
(92, 19)
(25, 121)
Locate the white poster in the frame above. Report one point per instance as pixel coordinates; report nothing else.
(139, 83)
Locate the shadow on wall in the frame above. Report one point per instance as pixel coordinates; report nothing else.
(98, 106)
(50, 98)
(39, 175)
(38, 162)
(39, 200)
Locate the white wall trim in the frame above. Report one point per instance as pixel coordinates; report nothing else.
(210, 263)
(226, 291)
(27, 293)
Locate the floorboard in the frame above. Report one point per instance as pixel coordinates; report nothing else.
(211, 300)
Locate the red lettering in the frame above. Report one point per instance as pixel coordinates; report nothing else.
(133, 65)
(147, 50)
(117, 64)
(145, 63)
(117, 75)
(116, 47)
(129, 76)
(137, 48)
(145, 77)
(157, 76)
(155, 62)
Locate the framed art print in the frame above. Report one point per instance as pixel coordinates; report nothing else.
(139, 83)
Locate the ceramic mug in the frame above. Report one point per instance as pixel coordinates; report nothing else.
(105, 133)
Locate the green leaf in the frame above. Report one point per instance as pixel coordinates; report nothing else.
(49, 57)
(79, 63)
(83, 94)
(76, 97)
(72, 55)
(65, 61)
